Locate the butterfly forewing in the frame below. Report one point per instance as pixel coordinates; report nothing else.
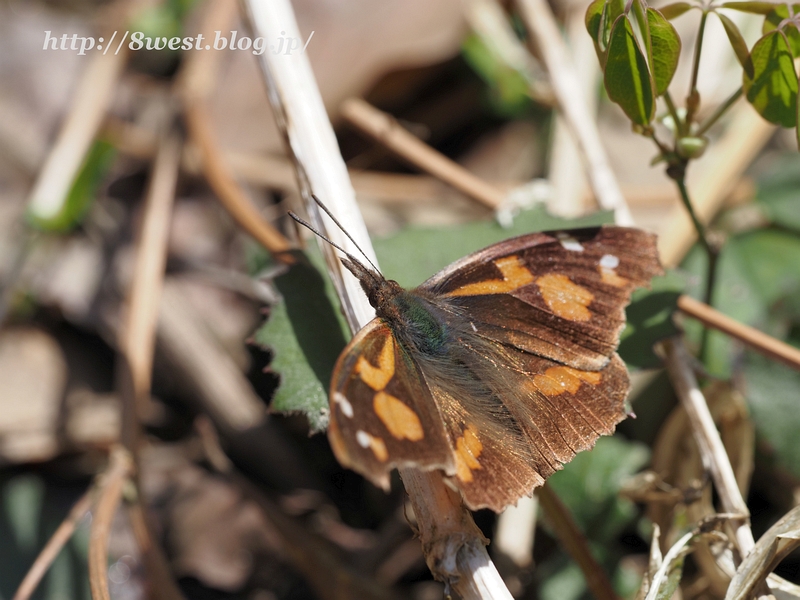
(382, 413)
(560, 296)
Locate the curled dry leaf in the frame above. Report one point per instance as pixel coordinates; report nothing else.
(774, 545)
(677, 462)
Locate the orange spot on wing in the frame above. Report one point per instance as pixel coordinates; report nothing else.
(401, 421)
(610, 277)
(558, 380)
(468, 449)
(378, 448)
(566, 299)
(515, 276)
(378, 377)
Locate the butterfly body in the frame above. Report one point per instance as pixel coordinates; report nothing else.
(497, 369)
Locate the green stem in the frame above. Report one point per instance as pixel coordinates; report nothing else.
(680, 126)
(693, 100)
(719, 112)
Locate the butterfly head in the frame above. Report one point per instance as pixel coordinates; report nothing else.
(378, 289)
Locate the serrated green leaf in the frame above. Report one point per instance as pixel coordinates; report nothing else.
(306, 333)
(737, 43)
(627, 77)
(82, 194)
(774, 19)
(754, 8)
(666, 49)
(675, 9)
(772, 90)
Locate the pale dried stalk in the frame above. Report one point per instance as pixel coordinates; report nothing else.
(138, 336)
(301, 116)
(89, 106)
(386, 130)
(712, 451)
(54, 545)
(541, 23)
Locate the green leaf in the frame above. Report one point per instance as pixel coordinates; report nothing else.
(594, 22)
(82, 194)
(675, 10)
(627, 78)
(306, 333)
(649, 320)
(772, 90)
(666, 48)
(414, 254)
(773, 394)
(754, 8)
(737, 43)
(590, 484)
(778, 192)
(774, 19)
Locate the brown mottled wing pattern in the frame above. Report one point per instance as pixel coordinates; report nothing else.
(560, 296)
(382, 413)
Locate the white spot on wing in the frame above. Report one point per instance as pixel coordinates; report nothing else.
(344, 404)
(363, 438)
(609, 261)
(569, 242)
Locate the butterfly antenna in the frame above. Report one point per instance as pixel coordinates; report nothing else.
(311, 228)
(344, 231)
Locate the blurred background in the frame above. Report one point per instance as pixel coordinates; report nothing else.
(65, 272)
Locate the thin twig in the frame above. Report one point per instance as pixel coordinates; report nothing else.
(54, 545)
(712, 451)
(197, 79)
(539, 20)
(387, 131)
(757, 340)
(301, 116)
(575, 543)
(120, 468)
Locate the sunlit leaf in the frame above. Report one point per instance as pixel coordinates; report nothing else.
(627, 78)
(774, 19)
(737, 43)
(755, 8)
(594, 23)
(772, 90)
(675, 9)
(666, 49)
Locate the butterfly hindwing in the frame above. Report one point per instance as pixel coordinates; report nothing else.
(382, 414)
(560, 296)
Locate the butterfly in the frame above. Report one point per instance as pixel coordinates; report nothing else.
(496, 370)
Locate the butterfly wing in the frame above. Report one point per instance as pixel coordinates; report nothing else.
(557, 295)
(382, 413)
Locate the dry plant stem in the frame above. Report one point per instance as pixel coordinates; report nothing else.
(138, 336)
(89, 106)
(387, 131)
(301, 116)
(560, 519)
(712, 451)
(757, 340)
(196, 83)
(120, 468)
(539, 20)
(230, 194)
(54, 545)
